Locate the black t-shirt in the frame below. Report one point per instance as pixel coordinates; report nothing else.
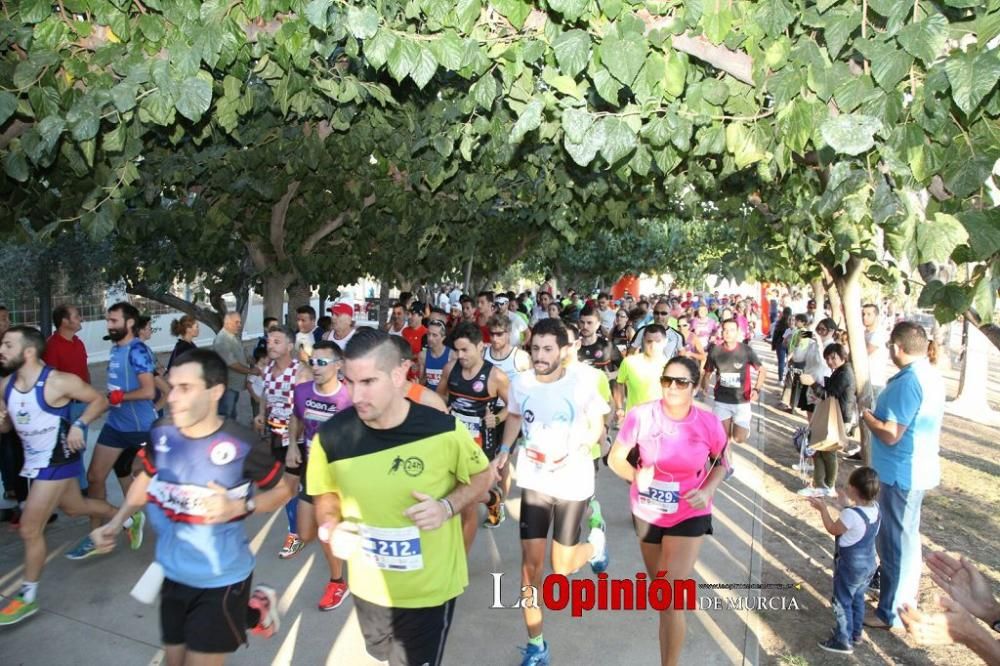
(733, 367)
(181, 347)
(601, 354)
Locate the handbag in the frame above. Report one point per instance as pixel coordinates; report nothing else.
(826, 429)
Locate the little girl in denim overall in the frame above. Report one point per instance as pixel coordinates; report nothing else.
(854, 564)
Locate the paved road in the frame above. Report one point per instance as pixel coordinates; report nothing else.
(88, 616)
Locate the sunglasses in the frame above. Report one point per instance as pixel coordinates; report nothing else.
(661, 313)
(322, 362)
(496, 334)
(667, 381)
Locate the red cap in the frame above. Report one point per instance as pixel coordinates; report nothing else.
(342, 309)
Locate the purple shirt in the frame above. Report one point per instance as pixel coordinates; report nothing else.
(314, 409)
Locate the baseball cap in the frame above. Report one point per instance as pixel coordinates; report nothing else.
(417, 307)
(342, 309)
(501, 300)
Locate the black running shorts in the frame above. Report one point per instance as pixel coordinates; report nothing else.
(539, 511)
(405, 636)
(692, 527)
(211, 620)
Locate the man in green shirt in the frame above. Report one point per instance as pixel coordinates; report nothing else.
(639, 374)
(388, 477)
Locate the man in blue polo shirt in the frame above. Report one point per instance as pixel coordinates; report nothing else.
(906, 426)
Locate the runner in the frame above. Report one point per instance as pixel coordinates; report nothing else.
(606, 312)
(671, 493)
(435, 356)
(280, 378)
(560, 415)
(541, 309)
(316, 402)
(308, 332)
(471, 386)
(732, 361)
(639, 374)
(484, 310)
(595, 349)
(692, 343)
(197, 483)
(673, 342)
(131, 390)
(703, 326)
(517, 326)
(397, 321)
(415, 391)
(387, 476)
(343, 324)
(36, 403)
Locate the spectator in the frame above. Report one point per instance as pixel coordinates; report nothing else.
(969, 597)
(906, 431)
(269, 324)
(185, 329)
(228, 344)
(65, 352)
(778, 341)
(841, 386)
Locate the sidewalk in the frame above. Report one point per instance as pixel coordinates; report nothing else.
(87, 616)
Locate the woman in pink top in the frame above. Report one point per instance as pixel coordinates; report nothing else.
(681, 463)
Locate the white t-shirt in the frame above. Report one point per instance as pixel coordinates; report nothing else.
(517, 328)
(878, 360)
(608, 319)
(256, 385)
(444, 302)
(332, 337)
(855, 525)
(555, 456)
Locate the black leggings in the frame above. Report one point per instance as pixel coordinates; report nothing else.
(539, 511)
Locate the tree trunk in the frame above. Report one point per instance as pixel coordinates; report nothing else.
(383, 302)
(207, 316)
(971, 402)
(848, 283)
(274, 295)
(298, 295)
(833, 293)
(468, 274)
(819, 295)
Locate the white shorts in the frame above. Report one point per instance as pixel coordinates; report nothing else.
(740, 413)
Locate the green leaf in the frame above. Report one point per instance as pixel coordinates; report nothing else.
(8, 104)
(514, 11)
(657, 132)
(424, 68)
(362, 22)
(717, 21)
(641, 161)
(972, 77)
(983, 227)
(850, 134)
(840, 25)
(316, 13)
(34, 11)
(467, 13)
(583, 152)
(984, 298)
(965, 175)
(448, 50)
(84, 119)
(16, 165)
(403, 58)
(938, 239)
(623, 58)
(774, 16)
(620, 139)
(485, 90)
(576, 122)
(571, 9)
(194, 96)
(378, 48)
(123, 96)
(151, 27)
(743, 144)
(529, 120)
(572, 50)
(606, 85)
(676, 74)
(25, 74)
(926, 39)
(50, 129)
(888, 64)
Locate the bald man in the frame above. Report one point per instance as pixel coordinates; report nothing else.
(229, 345)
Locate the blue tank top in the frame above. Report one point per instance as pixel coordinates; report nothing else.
(41, 427)
(434, 367)
(125, 365)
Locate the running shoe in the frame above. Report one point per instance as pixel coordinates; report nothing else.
(599, 561)
(831, 645)
(859, 639)
(293, 544)
(495, 513)
(809, 491)
(596, 518)
(333, 596)
(265, 600)
(17, 609)
(86, 548)
(134, 532)
(534, 655)
(851, 451)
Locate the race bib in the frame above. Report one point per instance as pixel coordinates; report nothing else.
(548, 448)
(182, 499)
(730, 379)
(392, 548)
(661, 496)
(473, 424)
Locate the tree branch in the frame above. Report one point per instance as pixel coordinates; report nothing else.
(991, 331)
(207, 316)
(16, 129)
(279, 213)
(737, 64)
(328, 228)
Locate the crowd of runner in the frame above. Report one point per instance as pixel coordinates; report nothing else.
(382, 442)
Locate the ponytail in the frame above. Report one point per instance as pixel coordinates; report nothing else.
(180, 326)
(932, 352)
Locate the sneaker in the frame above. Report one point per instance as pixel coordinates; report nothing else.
(809, 491)
(333, 595)
(875, 585)
(83, 550)
(17, 609)
(596, 518)
(831, 645)
(858, 640)
(265, 600)
(855, 456)
(134, 532)
(830, 492)
(534, 655)
(495, 513)
(293, 544)
(805, 468)
(853, 452)
(599, 561)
